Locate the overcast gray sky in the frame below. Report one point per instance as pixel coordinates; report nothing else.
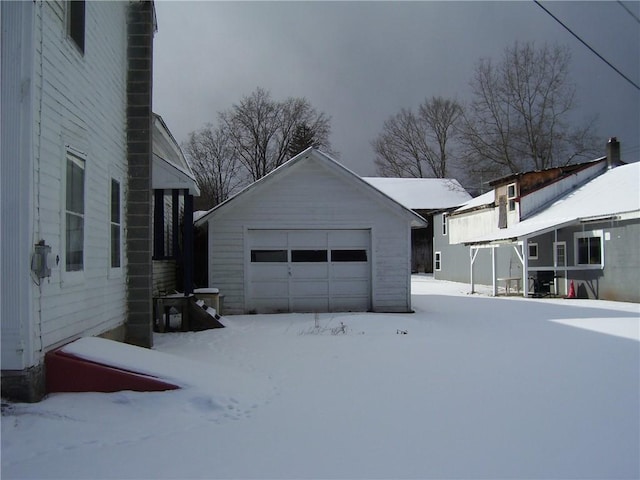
(360, 62)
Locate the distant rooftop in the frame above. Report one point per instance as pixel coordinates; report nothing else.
(422, 193)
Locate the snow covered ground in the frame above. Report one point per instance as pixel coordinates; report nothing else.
(477, 387)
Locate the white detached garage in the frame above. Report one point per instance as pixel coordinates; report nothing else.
(311, 236)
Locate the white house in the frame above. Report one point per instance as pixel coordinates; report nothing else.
(311, 236)
(76, 180)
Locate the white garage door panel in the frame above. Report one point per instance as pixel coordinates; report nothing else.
(269, 272)
(310, 304)
(270, 305)
(270, 289)
(349, 288)
(350, 304)
(308, 239)
(356, 270)
(309, 270)
(310, 288)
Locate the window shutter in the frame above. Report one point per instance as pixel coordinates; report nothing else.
(502, 212)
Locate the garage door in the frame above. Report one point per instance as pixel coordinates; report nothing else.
(309, 270)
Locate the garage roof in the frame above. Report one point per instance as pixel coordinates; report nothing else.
(315, 155)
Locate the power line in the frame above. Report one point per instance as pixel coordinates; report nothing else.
(588, 46)
(629, 11)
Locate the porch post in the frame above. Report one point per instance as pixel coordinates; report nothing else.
(158, 224)
(524, 270)
(493, 270)
(175, 223)
(187, 247)
(473, 252)
(525, 267)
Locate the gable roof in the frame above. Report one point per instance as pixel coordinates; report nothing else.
(614, 194)
(422, 193)
(314, 155)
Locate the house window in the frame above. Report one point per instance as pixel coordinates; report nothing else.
(533, 251)
(115, 224)
(74, 214)
(588, 247)
(444, 225)
(437, 261)
(76, 22)
(511, 196)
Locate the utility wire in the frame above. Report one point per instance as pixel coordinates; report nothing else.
(588, 46)
(629, 11)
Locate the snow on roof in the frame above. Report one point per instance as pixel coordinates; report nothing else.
(613, 193)
(170, 167)
(422, 193)
(485, 199)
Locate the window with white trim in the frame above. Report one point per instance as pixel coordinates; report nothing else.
(74, 213)
(589, 248)
(437, 261)
(533, 251)
(511, 196)
(116, 225)
(444, 225)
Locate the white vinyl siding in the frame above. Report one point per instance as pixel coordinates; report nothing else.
(81, 102)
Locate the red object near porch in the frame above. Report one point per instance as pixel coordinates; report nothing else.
(66, 372)
(572, 291)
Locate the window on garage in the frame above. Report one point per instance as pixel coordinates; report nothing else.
(265, 256)
(315, 256)
(348, 255)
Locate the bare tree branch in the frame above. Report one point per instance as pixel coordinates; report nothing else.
(418, 144)
(519, 118)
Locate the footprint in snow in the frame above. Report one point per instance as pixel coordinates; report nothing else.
(205, 404)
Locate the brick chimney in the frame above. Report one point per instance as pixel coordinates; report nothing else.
(613, 153)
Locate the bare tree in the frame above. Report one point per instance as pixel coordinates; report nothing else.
(519, 118)
(418, 144)
(261, 129)
(215, 164)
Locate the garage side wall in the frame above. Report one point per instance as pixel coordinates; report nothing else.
(311, 196)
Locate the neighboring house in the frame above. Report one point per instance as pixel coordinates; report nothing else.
(311, 236)
(577, 224)
(76, 180)
(174, 186)
(426, 197)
